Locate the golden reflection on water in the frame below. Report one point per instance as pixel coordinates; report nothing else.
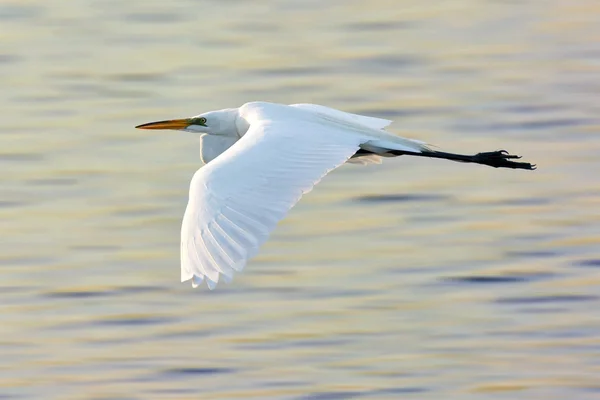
(415, 278)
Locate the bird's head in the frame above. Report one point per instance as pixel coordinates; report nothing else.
(222, 122)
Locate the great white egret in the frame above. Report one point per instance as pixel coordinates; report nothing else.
(260, 159)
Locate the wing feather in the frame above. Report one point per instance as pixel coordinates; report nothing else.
(371, 122)
(239, 197)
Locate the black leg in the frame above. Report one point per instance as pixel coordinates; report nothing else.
(496, 159)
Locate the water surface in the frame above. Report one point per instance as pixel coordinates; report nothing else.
(412, 279)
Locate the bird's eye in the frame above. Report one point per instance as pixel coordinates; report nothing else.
(199, 121)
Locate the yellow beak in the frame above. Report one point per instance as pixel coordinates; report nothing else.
(171, 124)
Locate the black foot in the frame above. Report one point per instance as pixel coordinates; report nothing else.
(501, 159)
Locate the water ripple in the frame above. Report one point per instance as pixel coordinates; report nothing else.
(532, 254)
(379, 26)
(135, 320)
(491, 279)
(20, 157)
(74, 293)
(401, 198)
(194, 371)
(595, 263)
(565, 298)
(331, 395)
(383, 63)
(291, 71)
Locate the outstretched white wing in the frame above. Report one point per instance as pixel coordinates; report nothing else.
(371, 122)
(238, 198)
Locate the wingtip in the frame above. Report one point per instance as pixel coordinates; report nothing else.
(197, 281)
(211, 284)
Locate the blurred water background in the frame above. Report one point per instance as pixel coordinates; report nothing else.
(412, 279)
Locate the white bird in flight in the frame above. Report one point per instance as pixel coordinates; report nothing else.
(260, 159)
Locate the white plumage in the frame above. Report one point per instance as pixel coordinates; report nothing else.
(260, 159)
(237, 199)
